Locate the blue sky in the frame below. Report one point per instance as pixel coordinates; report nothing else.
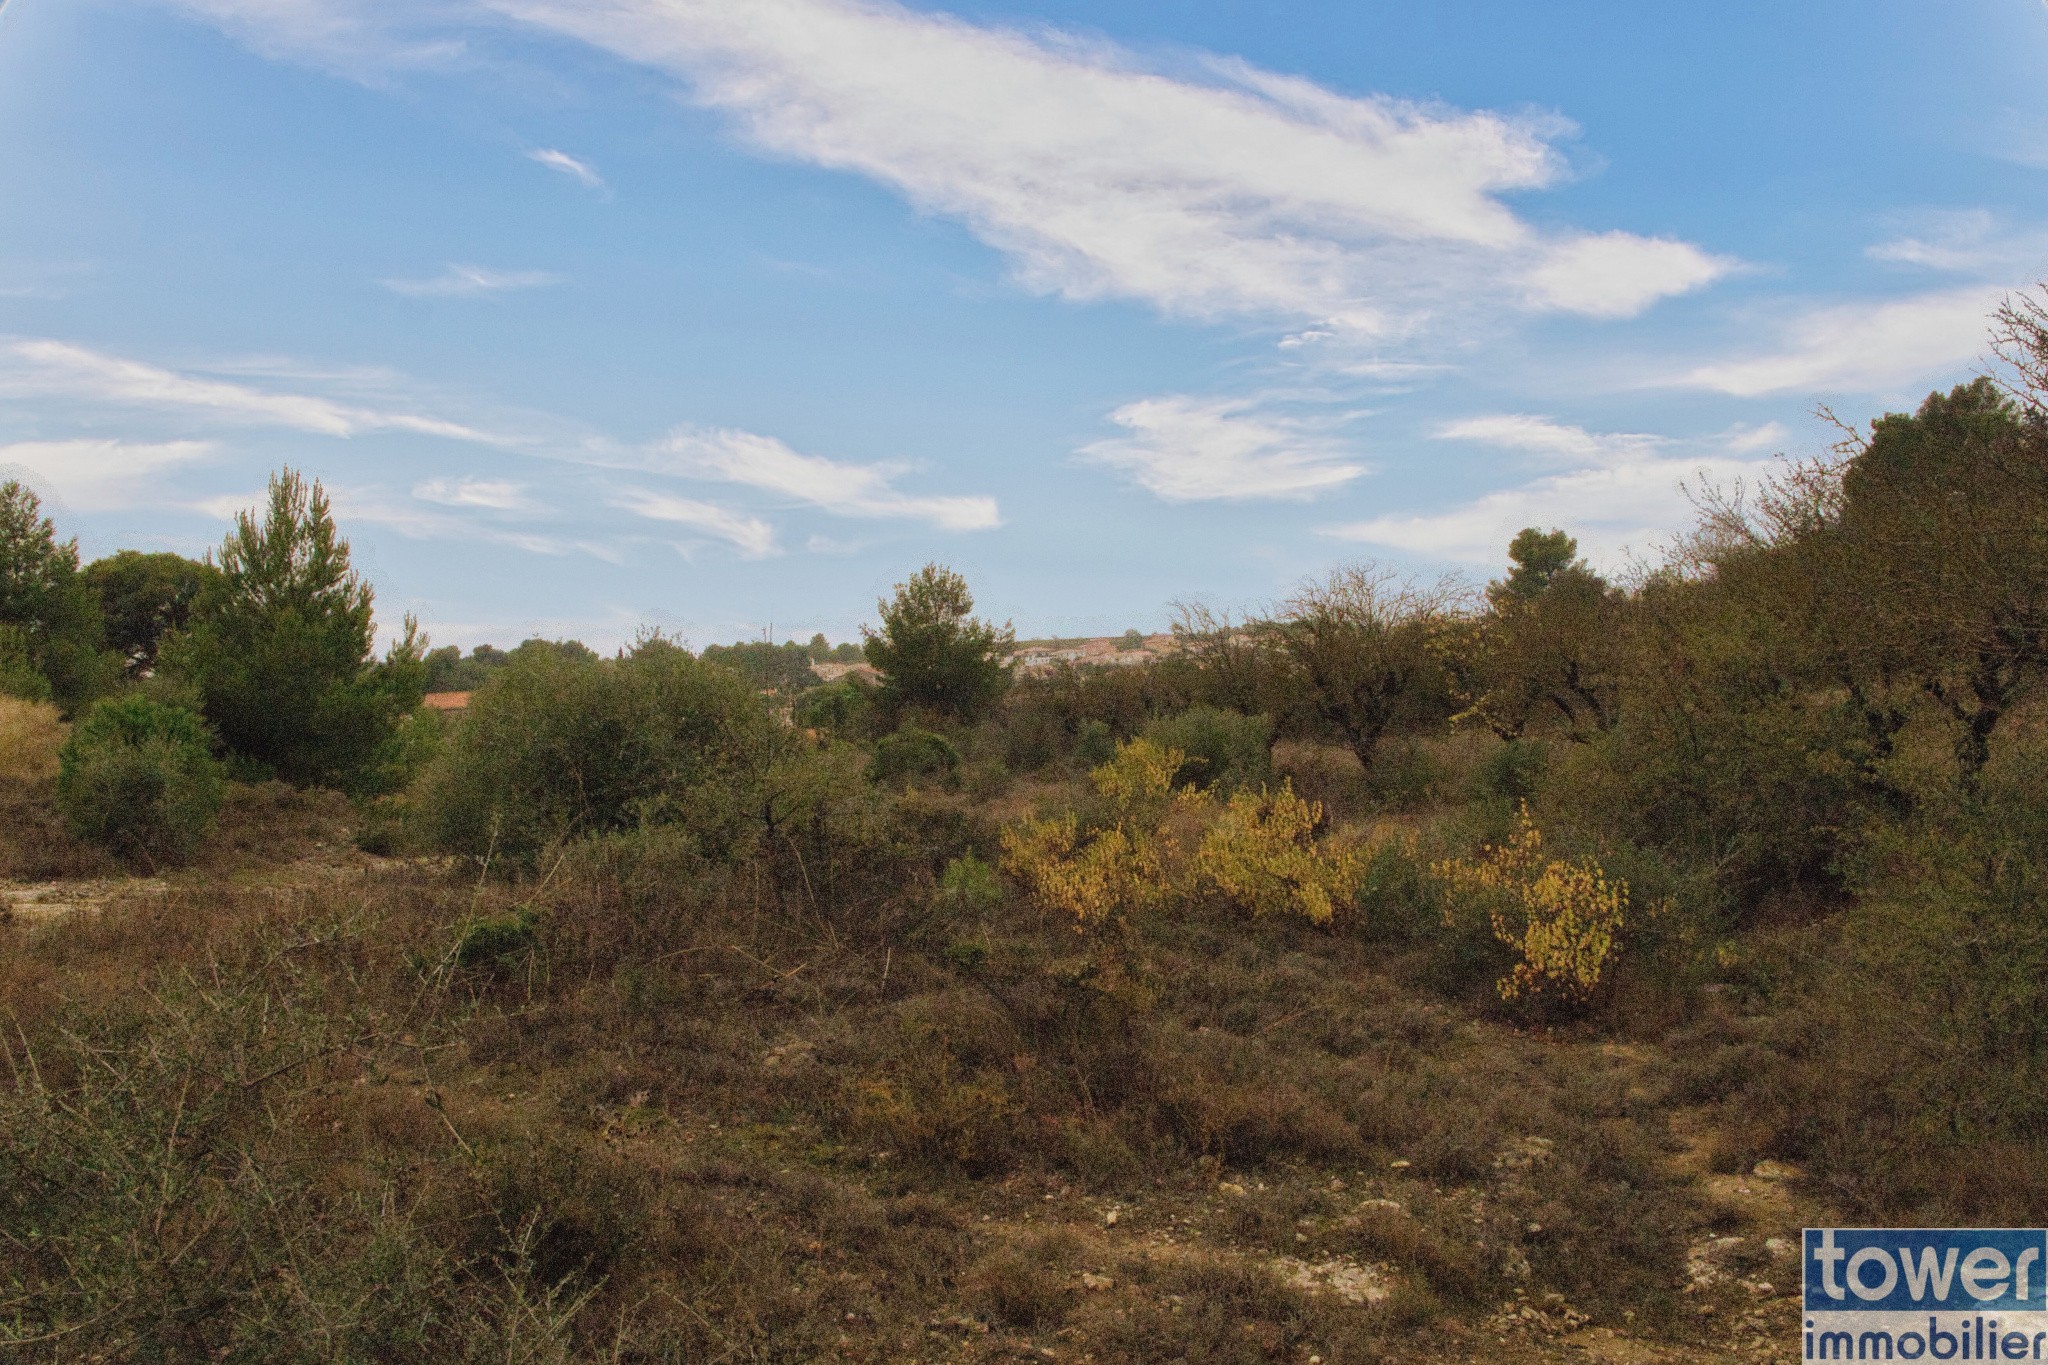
(711, 314)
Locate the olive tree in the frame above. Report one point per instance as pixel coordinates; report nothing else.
(1368, 645)
(1546, 642)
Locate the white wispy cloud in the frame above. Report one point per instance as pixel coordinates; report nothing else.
(1965, 242)
(377, 506)
(48, 369)
(847, 490)
(1218, 190)
(1553, 440)
(753, 537)
(373, 505)
(1618, 274)
(489, 494)
(471, 281)
(1744, 439)
(360, 38)
(1626, 493)
(1188, 449)
(45, 368)
(98, 475)
(580, 171)
(1875, 347)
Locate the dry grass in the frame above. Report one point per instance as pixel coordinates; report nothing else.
(34, 844)
(31, 733)
(716, 1114)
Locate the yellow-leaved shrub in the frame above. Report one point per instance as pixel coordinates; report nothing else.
(1563, 918)
(1087, 879)
(1121, 867)
(1262, 852)
(1260, 849)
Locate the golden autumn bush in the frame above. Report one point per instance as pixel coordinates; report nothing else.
(1120, 867)
(1563, 918)
(1262, 852)
(1260, 849)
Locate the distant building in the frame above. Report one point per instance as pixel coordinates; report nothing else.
(1106, 652)
(866, 673)
(454, 703)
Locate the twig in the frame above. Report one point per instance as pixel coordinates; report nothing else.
(1290, 1018)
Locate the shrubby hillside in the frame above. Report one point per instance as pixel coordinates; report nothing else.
(1409, 971)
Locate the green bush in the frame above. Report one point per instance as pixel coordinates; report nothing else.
(19, 676)
(1225, 750)
(497, 941)
(842, 708)
(1095, 743)
(912, 753)
(138, 777)
(1917, 1074)
(1513, 771)
(557, 747)
(970, 885)
(1033, 737)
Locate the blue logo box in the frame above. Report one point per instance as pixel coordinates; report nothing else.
(1879, 1270)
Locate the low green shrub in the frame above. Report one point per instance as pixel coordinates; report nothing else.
(1094, 743)
(1915, 1071)
(1513, 771)
(1033, 738)
(913, 753)
(985, 781)
(20, 679)
(1225, 750)
(842, 708)
(497, 941)
(138, 777)
(970, 886)
(556, 747)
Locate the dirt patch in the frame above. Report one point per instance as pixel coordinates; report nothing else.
(34, 904)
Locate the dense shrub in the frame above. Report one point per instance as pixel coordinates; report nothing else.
(1767, 793)
(556, 747)
(842, 708)
(1095, 743)
(496, 941)
(913, 753)
(138, 777)
(1564, 918)
(1033, 736)
(970, 886)
(1916, 1068)
(1512, 771)
(1261, 853)
(1224, 750)
(20, 679)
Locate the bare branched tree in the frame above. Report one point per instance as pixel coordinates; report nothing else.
(1366, 642)
(2019, 339)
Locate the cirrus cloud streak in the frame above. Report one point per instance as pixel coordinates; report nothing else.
(1219, 190)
